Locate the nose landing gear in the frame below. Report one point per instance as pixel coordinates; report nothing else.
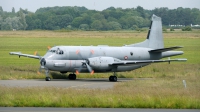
(47, 75)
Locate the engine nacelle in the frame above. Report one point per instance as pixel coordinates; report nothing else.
(101, 62)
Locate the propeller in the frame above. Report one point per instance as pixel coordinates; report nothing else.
(42, 62)
(37, 54)
(48, 47)
(86, 63)
(88, 67)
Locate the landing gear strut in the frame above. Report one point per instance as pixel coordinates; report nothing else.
(72, 76)
(113, 78)
(47, 75)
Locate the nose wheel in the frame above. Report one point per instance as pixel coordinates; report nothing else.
(47, 75)
(48, 79)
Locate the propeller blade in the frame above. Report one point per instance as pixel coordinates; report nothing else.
(48, 47)
(78, 53)
(89, 69)
(91, 53)
(85, 63)
(92, 72)
(77, 72)
(35, 53)
(38, 72)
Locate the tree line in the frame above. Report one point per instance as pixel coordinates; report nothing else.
(81, 18)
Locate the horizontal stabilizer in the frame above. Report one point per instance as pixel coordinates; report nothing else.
(165, 49)
(127, 63)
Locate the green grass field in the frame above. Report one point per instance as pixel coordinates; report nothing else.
(165, 90)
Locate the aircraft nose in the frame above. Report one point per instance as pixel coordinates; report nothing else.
(43, 62)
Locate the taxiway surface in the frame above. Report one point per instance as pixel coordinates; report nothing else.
(79, 83)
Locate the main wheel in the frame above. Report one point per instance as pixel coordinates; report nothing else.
(110, 78)
(72, 76)
(47, 78)
(113, 78)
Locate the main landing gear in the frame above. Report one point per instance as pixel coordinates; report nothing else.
(113, 78)
(72, 76)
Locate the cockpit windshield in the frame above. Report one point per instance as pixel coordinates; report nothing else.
(53, 51)
(58, 51)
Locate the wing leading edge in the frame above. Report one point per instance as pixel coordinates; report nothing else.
(127, 63)
(24, 55)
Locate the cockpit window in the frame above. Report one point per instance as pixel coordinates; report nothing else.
(58, 51)
(53, 51)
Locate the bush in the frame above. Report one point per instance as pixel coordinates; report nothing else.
(171, 29)
(187, 28)
(164, 29)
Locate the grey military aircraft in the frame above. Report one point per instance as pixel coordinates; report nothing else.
(103, 58)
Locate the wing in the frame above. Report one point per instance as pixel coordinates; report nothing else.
(126, 63)
(25, 55)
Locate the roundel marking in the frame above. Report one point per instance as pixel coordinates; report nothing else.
(125, 57)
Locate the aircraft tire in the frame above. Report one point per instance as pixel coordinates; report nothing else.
(48, 79)
(72, 77)
(110, 78)
(113, 78)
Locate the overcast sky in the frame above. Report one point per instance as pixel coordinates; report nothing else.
(33, 5)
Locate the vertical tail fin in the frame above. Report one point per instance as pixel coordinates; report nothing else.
(154, 38)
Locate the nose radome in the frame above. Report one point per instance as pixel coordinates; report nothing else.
(43, 62)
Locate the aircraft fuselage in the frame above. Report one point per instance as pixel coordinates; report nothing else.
(71, 58)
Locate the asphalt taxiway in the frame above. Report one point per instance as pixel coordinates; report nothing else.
(102, 83)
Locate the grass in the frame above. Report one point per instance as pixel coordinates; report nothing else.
(165, 90)
(156, 93)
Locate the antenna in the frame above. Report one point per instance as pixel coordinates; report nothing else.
(94, 5)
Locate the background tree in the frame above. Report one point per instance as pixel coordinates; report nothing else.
(67, 17)
(84, 27)
(13, 10)
(97, 25)
(22, 19)
(114, 25)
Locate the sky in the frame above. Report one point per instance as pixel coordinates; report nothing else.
(33, 5)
